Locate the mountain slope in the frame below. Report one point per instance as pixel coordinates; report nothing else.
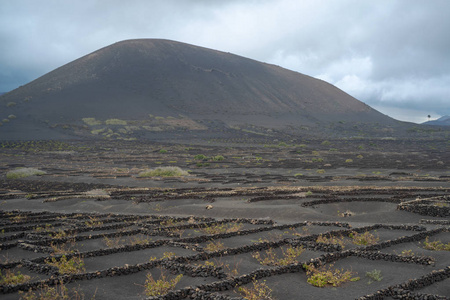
(442, 121)
(133, 79)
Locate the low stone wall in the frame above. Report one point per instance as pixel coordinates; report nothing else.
(435, 222)
(405, 290)
(342, 200)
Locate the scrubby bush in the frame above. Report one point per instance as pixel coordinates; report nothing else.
(23, 172)
(221, 228)
(436, 245)
(11, 278)
(374, 275)
(115, 122)
(73, 265)
(259, 291)
(364, 239)
(164, 172)
(324, 276)
(11, 104)
(288, 257)
(211, 246)
(200, 157)
(60, 291)
(92, 121)
(161, 286)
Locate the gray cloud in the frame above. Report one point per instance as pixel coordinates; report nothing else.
(393, 55)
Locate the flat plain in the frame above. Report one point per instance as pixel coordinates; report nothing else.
(246, 216)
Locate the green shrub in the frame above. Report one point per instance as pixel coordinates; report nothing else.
(11, 278)
(57, 292)
(115, 122)
(436, 245)
(349, 160)
(211, 246)
(331, 240)
(374, 275)
(91, 121)
(364, 239)
(218, 158)
(11, 117)
(11, 104)
(163, 151)
(161, 286)
(74, 265)
(328, 276)
(259, 291)
(164, 172)
(221, 228)
(288, 257)
(97, 131)
(23, 172)
(200, 157)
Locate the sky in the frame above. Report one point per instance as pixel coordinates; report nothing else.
(392, 55)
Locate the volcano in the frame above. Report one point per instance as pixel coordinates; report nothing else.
(152, 86)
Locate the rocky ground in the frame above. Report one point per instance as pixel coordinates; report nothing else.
(248, 216)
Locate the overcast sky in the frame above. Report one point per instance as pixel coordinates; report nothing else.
(392, 55)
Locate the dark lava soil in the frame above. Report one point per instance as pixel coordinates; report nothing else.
(238, 201)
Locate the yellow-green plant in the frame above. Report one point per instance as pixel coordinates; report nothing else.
(259, 291)
(161, 286)
(407, 253)
(45, 228)
(364, 239)
(221, 228)
(92, 121)
(112, 242)
(231, 271)
(211, 246)
(169, 255)
(23, 172)
(164, 172)
(324, 276)
(74, 265)
(289, 256)
(115, 122)
(67, 247)
(11, 278)
(57, 292)
(93, 221)
(331, 240)
(436, 245)
(374, 275)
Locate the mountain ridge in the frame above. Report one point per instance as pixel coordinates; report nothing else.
(133, 79)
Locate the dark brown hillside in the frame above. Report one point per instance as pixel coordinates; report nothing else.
(133, 79)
